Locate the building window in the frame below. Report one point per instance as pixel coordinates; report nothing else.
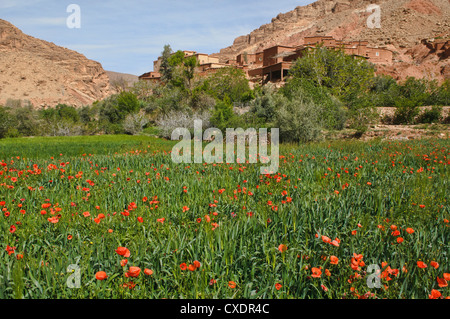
(377, 53)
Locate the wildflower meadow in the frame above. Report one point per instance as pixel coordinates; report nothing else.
(114, 217)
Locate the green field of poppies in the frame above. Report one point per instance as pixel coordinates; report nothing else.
(113, 217)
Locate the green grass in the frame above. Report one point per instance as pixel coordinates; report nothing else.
(44, 147)
(320, 189)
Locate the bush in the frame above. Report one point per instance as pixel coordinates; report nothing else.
(406, 113)
(384, 91)
(332, 114)
(264, 105)
(223, 115)
(181, 119)
(128, 103)
(297, 120)
(413, 92)
(441, 96)
(344, 76)
(6, 122)
(27, 121)
(432, 115)
(135, 123)
(230, 82)
(65, 128)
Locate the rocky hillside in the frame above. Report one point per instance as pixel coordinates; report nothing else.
(404, 24)
(117, 79)
(46, 74)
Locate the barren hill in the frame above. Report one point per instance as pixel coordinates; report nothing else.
(117, 78)
(46, 74)
(404, 25)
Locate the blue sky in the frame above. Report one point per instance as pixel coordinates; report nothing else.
(127, 35)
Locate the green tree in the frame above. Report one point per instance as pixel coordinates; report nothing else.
(223, 116)
(165, 68)
(346, 77)
(127, 103)
(7, 122)
(229, 82)
(335, 74)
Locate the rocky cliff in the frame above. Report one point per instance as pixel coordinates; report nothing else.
(46, 74)
(404, 26)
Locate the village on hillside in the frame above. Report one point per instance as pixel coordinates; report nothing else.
(273, 63)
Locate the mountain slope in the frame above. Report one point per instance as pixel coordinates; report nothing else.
(404, 24)
(46, 74)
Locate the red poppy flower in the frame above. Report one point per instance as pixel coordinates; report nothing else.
(442, 282)
(232, 284)
(334, 260)
(12, 229)
(133, 272)
(435, 294)
(191, 268)
(434, 264)
(101, 275)
(123, 251)
(278, 286)
(183, 266)
(10, 250)
(316, 272)
(148, 272)
(421, 264)
(282, 248)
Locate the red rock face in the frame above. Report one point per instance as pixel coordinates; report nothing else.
(46, 74)
(404, 24)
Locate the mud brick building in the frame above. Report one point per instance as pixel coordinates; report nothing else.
(273, 64)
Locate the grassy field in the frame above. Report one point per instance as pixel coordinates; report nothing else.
(137, 225)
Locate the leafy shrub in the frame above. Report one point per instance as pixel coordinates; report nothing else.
(406, 113)
(344, 76)
(297, 119)
(230, 82)
(384, 91)
(432, 115)
(223, 115)
(330, 110)
(27, 121)
(128, 103)
(6, 122)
